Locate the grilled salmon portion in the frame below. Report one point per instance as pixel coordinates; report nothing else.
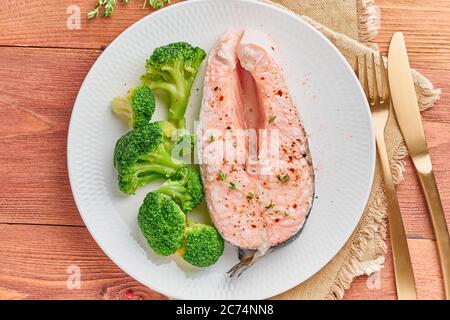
(255, 161)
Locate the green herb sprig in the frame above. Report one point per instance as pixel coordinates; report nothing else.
(232, 186)
(283, 179)
(105, 8)
(272, 119)
(157, 4)
(222, 175)
(271, 205)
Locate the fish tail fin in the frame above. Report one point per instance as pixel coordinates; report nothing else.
(241, 267)
(248, 258)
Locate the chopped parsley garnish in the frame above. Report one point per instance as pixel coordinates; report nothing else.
(272, 119)
(270, 206)
(250, 196)
(222, 175)
(232, 186)
(283, 179)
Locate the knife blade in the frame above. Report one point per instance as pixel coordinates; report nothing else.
(407, 111)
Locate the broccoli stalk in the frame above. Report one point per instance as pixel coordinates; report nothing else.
(185, 188)
(137, 107)
(174, 189)
(144, 155)
(173, 69)
(159, 162)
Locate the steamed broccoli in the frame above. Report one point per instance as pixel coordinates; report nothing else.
(137, 107)
(202, 246)
(144, 155)
(173, 69)
(185, 188)
(162, 223)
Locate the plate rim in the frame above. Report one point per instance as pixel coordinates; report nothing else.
(143, 20)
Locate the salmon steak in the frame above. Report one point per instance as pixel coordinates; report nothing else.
(255, 161)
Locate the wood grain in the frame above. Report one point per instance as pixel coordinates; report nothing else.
(41, 232)
(427, 30)
(44, 23)
(36, 262)
(381, 286)
(37, 91)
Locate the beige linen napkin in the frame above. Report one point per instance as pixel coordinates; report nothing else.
(349, 24)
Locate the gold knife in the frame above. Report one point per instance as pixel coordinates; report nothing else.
(408, 115)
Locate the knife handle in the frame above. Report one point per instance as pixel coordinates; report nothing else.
(429, 186)
(404, 275)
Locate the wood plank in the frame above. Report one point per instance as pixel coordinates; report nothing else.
(381, 286)
(412, 202)
(37, 261)
(427, 32)
(44, 23)
(37, 91)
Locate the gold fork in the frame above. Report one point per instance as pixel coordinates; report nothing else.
(380, 103)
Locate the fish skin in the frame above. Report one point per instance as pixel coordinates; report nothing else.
(244, 254)
(279, 210)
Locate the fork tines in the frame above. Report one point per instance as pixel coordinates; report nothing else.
(382, 93)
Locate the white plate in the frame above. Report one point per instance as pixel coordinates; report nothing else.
(335, 114)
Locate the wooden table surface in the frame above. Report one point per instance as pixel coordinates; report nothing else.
(42, 65)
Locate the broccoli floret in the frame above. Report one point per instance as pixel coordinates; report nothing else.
(162, 223)
(202, 246)
(173, 69)
(137, 107)
(185, 187)
(142, 156)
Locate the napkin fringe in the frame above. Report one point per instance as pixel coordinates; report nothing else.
(428, 95)
(375, 225)
(368, 20)
(373, 229)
